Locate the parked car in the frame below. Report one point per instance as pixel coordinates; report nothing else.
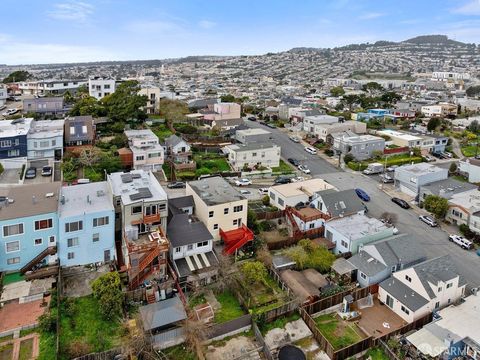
(311, 150)
(243, 182)
(362, 194)
(447, 155)
(176, 185)
(297, 179)
(263, 191)
(47, 171)
(400, 202)
(11, 112)
(304, 169)
(392, 168)
(31, 173)
(2, 107)
(461, 241)
(429, 158)
(295, 139)
(271, 125)
(294, 162)
(252, 118)
(386, 178)
(282, 180)
(428, 220)
(245, 192)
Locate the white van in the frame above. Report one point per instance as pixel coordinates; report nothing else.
(461, 241)
(311, 150)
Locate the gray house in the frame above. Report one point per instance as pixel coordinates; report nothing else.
(445, 188)
(44, 106)
(377, 261)
(410, 178)
(248, 136)
(360, 146)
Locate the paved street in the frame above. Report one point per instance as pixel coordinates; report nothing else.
(435, 240)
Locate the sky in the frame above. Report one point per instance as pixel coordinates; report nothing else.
(56, 31)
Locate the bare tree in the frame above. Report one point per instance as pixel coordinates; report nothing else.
(137, 343)
(89, 156)
(389, 217)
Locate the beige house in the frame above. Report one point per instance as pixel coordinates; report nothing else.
(291, 194)
(147, 152)
(254, 154)
(323, 130)
(417, 291)
(464, 209)
(219, 205)
(153, 97)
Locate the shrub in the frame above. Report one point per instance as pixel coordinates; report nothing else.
(357, 166)
(48, 322)
(107, 290)
(266, 200)
(328, 152)
(266, 225)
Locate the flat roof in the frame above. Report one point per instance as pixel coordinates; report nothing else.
(448, 187)
(251, 146)
(398, 134)
(41, 129)
(140, 184)
(17, 127)
(420, 169)
(215, 190)
(92, 197)
(140, 134)
(29, 200)
(252, 131)
(307, 187)
(357, 226)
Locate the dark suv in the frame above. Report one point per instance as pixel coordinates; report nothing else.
(282, 180)
(400, 202)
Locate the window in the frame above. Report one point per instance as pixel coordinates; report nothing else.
(140, 157)
(437, 304)
(11, 230)
(12, 246)
(311, 225)
(71, 255)
(344, 244)
(254, 154)
(449, 301)
(439, 289)
(100, 221)
(280, 202)
(210, 214)
(136, 209)
(154, 155)
(74, 226)
(235, 222)
(5, 143)
(72, 242)
(394, 268)
(215, 226)
(238, 208)
(178, 249)
(38, 242)
(449, 285)
(225, 211)
(51, 239)
(43, 224)
(54, 142)
(189, 247)
(162, 207)
(363, 276)
(12, 153)
(408, 278)
(272, 196)
(106, 86)
(202, 244)
(96, 237)
(405, 310)
(12, 261)
(44, 143)
(118, 201)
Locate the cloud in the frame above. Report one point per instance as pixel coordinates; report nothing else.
(206, 24)
(370, 16)
(471, 7)
(73, 10)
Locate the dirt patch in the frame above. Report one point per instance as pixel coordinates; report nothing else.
(274, 236)
(239, 346)
(77, 280)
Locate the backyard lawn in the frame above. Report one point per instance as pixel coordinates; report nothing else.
(262, 297)
(162, 131)
(279, 323)
(47, 346)
(284, 168)
(208, 163)
(179, 352)
(230, 309)
(12, 278)
(339, 333)
(469, 150)
(377, 354)
(83, 327)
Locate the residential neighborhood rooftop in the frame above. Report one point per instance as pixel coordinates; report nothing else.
(215, 190)
(308, 187)
(92, 197)
(357, 226)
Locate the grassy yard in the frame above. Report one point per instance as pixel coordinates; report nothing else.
(6, 352)
(83, 327)
(209, 163)
(47, 346)
(377, 354)
(12, 278)
(230, 309)
(339, 333)
(264, 297)
(284, 168)
(279, 323)
(469, 150)
(162, 131)
(179, 352)
(26, 348)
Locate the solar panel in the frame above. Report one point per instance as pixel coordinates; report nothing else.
(127, 178)
(136, 176)
(143, 193)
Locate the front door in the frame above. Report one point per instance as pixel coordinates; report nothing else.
(106, 256)
(389, 301)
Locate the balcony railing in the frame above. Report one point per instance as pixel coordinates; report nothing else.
(147, 219)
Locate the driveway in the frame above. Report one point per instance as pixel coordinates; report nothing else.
(10, 176)
(39, 179)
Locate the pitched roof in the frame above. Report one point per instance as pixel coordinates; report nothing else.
(181, 230)
(181, 202)
(173, 140)
(162, 313)
(342, 202)
(408, 297)
(366, 263)
(400, 249)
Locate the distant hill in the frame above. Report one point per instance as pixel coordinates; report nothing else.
(433, 39)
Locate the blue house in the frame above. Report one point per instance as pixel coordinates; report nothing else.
(28, 226)
(13, 138)
(86, 224)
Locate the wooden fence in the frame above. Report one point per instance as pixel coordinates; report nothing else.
(322, 341)
(105, 355)
(269, 215)
(277, 245)
(390, 354)
(230, 327)
(258, 336)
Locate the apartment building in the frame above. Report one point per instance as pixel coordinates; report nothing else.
(47, 87)
(86, 220)
(99, 87)
(13, 141)
(222, 111)
(440, 110)
(45, 140)
(247, 136)
(326, 131)
(153, 94)
(294, 193)
(44, 106)
(241, 156)
(361, 147)
(218, 205)
(147, 153)
(311, 124)
(426, 143)
(409, 178)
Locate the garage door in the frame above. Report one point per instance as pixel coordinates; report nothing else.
(407, 190)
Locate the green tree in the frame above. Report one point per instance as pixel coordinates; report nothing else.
(254, 272)
(125, 103)
(437, 205)
(348, 157)
(87, 106)
(433, 123)
(16, 76)
(350, 101)
(372, 88)
(390, 98)
(453, 168)
(474, 126)
(173, 110)
(107, 290)
(473, 91)
(227, 98)
(337, 91)
(310, 255)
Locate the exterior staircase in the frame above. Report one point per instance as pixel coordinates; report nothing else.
(236, 239)
(48, 251)
(138, 274)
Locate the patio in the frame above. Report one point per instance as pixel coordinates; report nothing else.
(379, 320)
(14, 315)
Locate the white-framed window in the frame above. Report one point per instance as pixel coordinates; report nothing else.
(51, 239)
(162, 207)
(210, 214)
(100, 221)
(225, 211)
(178, 249)
(344, 244)
(439, 289)
(437, 304)
(136, 209)
(215, 226)
(449, 285)
(72, 242)
(15, 229)
(43, 224)
(74, 226)
(238, 208)
(363, 276)
(140, 157)
(71, 255)
(12, 153)
(202, 244)
(96, 237)
(12, 246)
(280, 202)
(405, 310)
(14, 260)
(5, 143)
(38, 241)
(408, 278)
(311, 225)
(235, 222)
(190, 247)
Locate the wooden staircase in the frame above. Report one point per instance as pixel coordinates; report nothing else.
(138, 274)
(48, 251)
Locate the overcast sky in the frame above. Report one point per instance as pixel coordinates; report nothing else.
(48, 31)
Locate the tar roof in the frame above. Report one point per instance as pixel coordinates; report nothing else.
(420, 169)
(162, 313)
(308, 187)
(341, 202)
(448, 187)
(252, 131)
(181, 230)
(181, 202)
(251, 146)
(408, 297)
(357, 226)
(215, 190)
(93, 197)
(29, 200)
(137, 185)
